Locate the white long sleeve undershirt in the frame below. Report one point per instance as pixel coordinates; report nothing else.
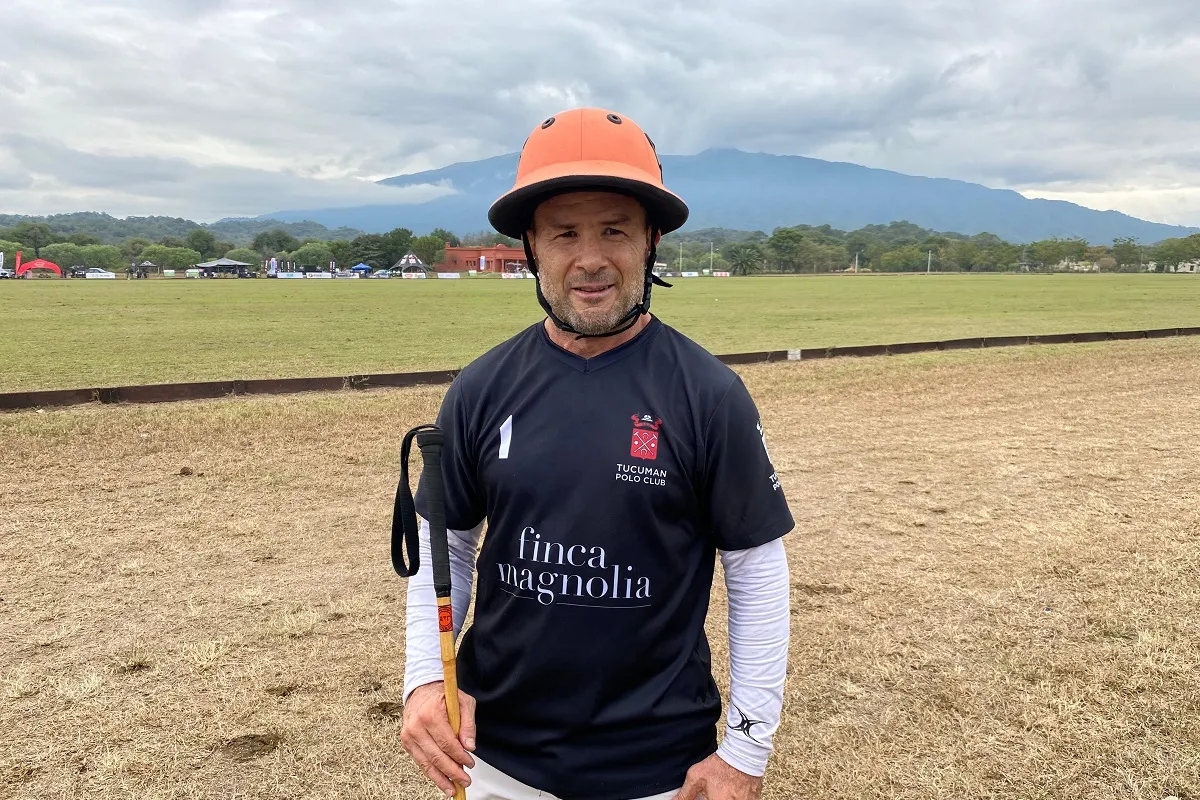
(422, 646)
(759, 590)
(758, 587)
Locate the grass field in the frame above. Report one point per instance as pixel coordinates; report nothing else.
(995, 578)
(72, 334)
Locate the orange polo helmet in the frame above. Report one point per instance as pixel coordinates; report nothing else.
(587, 149)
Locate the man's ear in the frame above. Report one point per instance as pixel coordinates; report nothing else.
(656, 236)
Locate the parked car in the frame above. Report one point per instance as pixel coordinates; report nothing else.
(96, 272)
(383, 273)
(7, 273)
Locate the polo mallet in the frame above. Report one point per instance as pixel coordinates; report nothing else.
(405, 536)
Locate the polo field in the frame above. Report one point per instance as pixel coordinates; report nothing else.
(994, 578)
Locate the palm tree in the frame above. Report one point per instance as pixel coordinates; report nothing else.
(744, 257)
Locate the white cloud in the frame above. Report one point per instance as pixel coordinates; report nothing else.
(59, 177)
(1175, 206)
(208, 109)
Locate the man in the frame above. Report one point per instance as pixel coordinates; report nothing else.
(612, 458)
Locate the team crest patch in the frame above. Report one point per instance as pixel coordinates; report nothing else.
(645, 437)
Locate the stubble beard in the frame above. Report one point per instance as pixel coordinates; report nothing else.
(592, 323)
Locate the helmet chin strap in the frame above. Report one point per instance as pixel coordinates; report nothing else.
(624, 323)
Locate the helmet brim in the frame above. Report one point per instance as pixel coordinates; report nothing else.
(512, 214)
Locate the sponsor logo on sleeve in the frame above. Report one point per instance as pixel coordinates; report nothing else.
(774, 475)
(745, 726)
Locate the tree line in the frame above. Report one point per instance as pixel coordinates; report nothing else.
(39, 240)
(895, 247)
(905, 247)
(201, 244)
(100, 228)
(378, 250)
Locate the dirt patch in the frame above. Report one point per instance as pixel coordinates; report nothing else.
(386, 710)
(132, 667)
(250, 746)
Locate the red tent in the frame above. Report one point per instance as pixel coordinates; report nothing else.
(40, 263)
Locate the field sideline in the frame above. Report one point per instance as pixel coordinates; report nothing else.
(73, 334)
(994, 585)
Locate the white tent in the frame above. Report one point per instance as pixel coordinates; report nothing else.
(410, 259)
(222, 262)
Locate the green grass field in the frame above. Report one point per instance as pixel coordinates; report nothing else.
(69, 334)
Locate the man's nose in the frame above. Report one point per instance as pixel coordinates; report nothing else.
(590, 256)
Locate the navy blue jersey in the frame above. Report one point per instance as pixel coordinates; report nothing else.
(608, 485)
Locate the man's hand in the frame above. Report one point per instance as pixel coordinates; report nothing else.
(428, 738)
(713, 779)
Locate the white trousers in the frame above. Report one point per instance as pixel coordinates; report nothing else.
(489, 783)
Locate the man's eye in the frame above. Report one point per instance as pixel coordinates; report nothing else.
(566, 235)
(614, 232)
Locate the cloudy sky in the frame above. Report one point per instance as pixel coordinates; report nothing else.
(205, 109)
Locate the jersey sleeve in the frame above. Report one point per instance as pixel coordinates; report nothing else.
(745, 501)
(465, 504)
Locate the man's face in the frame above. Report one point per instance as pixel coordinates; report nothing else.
(591, 250)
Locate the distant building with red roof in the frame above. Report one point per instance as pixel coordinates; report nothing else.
(492, 258)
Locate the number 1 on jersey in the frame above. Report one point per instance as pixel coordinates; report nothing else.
(505, 436)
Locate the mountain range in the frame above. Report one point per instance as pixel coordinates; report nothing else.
(758, 191)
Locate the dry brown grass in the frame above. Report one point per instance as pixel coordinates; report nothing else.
(996, 577)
